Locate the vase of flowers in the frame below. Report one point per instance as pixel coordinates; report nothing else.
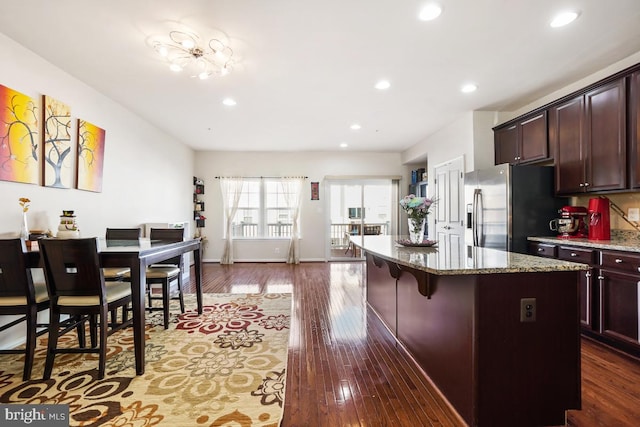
(417, 208)
(24, 228)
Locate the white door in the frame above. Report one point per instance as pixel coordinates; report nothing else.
(449, 211)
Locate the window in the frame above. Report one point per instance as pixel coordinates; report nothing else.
(263, 211)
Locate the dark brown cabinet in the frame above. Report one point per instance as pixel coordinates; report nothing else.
(609, 292)
(634, 130)
(524, 141)
(587, 297)
(619, 279)
(589, 136)
(506, 145)
(586, 256)
(565, 134)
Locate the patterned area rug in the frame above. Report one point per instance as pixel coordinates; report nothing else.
(225, 367)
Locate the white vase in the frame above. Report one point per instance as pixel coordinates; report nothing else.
(416, 229)
(24, 228)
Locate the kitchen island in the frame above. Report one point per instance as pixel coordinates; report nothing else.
(498, 333)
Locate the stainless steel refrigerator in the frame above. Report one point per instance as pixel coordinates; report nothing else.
(505, 204)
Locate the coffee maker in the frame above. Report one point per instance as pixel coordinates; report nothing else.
(599, 225)
(571, 223)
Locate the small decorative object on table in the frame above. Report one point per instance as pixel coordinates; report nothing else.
(423, 244)
(417, 208)
(68, 229)
(24, 228)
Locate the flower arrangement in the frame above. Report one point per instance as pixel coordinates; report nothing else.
(416, 207)
(24, 203)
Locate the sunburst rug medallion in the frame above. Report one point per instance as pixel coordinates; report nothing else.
(225, 367)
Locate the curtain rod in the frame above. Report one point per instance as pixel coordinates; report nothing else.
(262, 177)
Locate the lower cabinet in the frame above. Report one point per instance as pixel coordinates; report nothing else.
(609, 292)
(587, 296)
(619, 279)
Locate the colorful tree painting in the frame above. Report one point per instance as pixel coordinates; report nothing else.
(18, 137)
(91, 141)
(57, 144)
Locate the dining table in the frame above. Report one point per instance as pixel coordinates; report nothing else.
(137, 255)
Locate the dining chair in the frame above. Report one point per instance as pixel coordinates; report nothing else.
(165, 273)
(77, 287)
(119, 273)
(112, 274)
(20, 295)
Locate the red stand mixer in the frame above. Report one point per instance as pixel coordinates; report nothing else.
(599, 224)
(571, 224)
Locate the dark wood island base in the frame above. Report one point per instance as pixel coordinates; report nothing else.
(465, 331)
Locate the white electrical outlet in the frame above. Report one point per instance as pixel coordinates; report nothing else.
(634, 214)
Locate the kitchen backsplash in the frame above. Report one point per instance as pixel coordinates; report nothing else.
(624, 201)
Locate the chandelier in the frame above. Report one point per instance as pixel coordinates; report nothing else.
(184, 52)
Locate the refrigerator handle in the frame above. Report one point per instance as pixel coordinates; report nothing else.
(478, 220)
(474, 222)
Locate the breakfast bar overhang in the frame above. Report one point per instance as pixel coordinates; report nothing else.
(498, 333)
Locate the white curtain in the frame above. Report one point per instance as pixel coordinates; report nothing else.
(231, 189)
(292, 189)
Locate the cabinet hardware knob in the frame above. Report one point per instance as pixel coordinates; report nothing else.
(587, 274)
(618, 261)
(586, 184)
(638, 268)
(542, 250)
(573, 254)
(581, 185)
(600, 277)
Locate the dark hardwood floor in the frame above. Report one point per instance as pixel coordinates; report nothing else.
(345, 368)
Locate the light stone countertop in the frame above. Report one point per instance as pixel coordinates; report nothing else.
(620, 241)
(460, 260)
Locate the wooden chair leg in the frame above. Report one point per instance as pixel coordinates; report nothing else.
(32, 324)
(102, 359)
(82, 340)
(93, 329)
(165, 301)
(180, 296)
(54, 326)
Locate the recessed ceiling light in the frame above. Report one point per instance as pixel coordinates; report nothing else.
(344, 145)
(563, 18)
(355, 126)
(468, 88)
(383, 84)
(229, 102)
(430, 12)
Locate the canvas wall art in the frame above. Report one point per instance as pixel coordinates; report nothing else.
(91, 140)
(57, 152)
(19, 156)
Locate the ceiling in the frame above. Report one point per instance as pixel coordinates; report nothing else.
(305, 69)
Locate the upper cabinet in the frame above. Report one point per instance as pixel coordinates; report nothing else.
(634, 130)
(589, 136)
(522, 141)
(592, 136)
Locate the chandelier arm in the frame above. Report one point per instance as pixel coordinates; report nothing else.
(183, 50)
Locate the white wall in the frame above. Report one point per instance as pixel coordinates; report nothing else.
(314, 165)
(471, 134)
(629, 61)
(147, 174)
